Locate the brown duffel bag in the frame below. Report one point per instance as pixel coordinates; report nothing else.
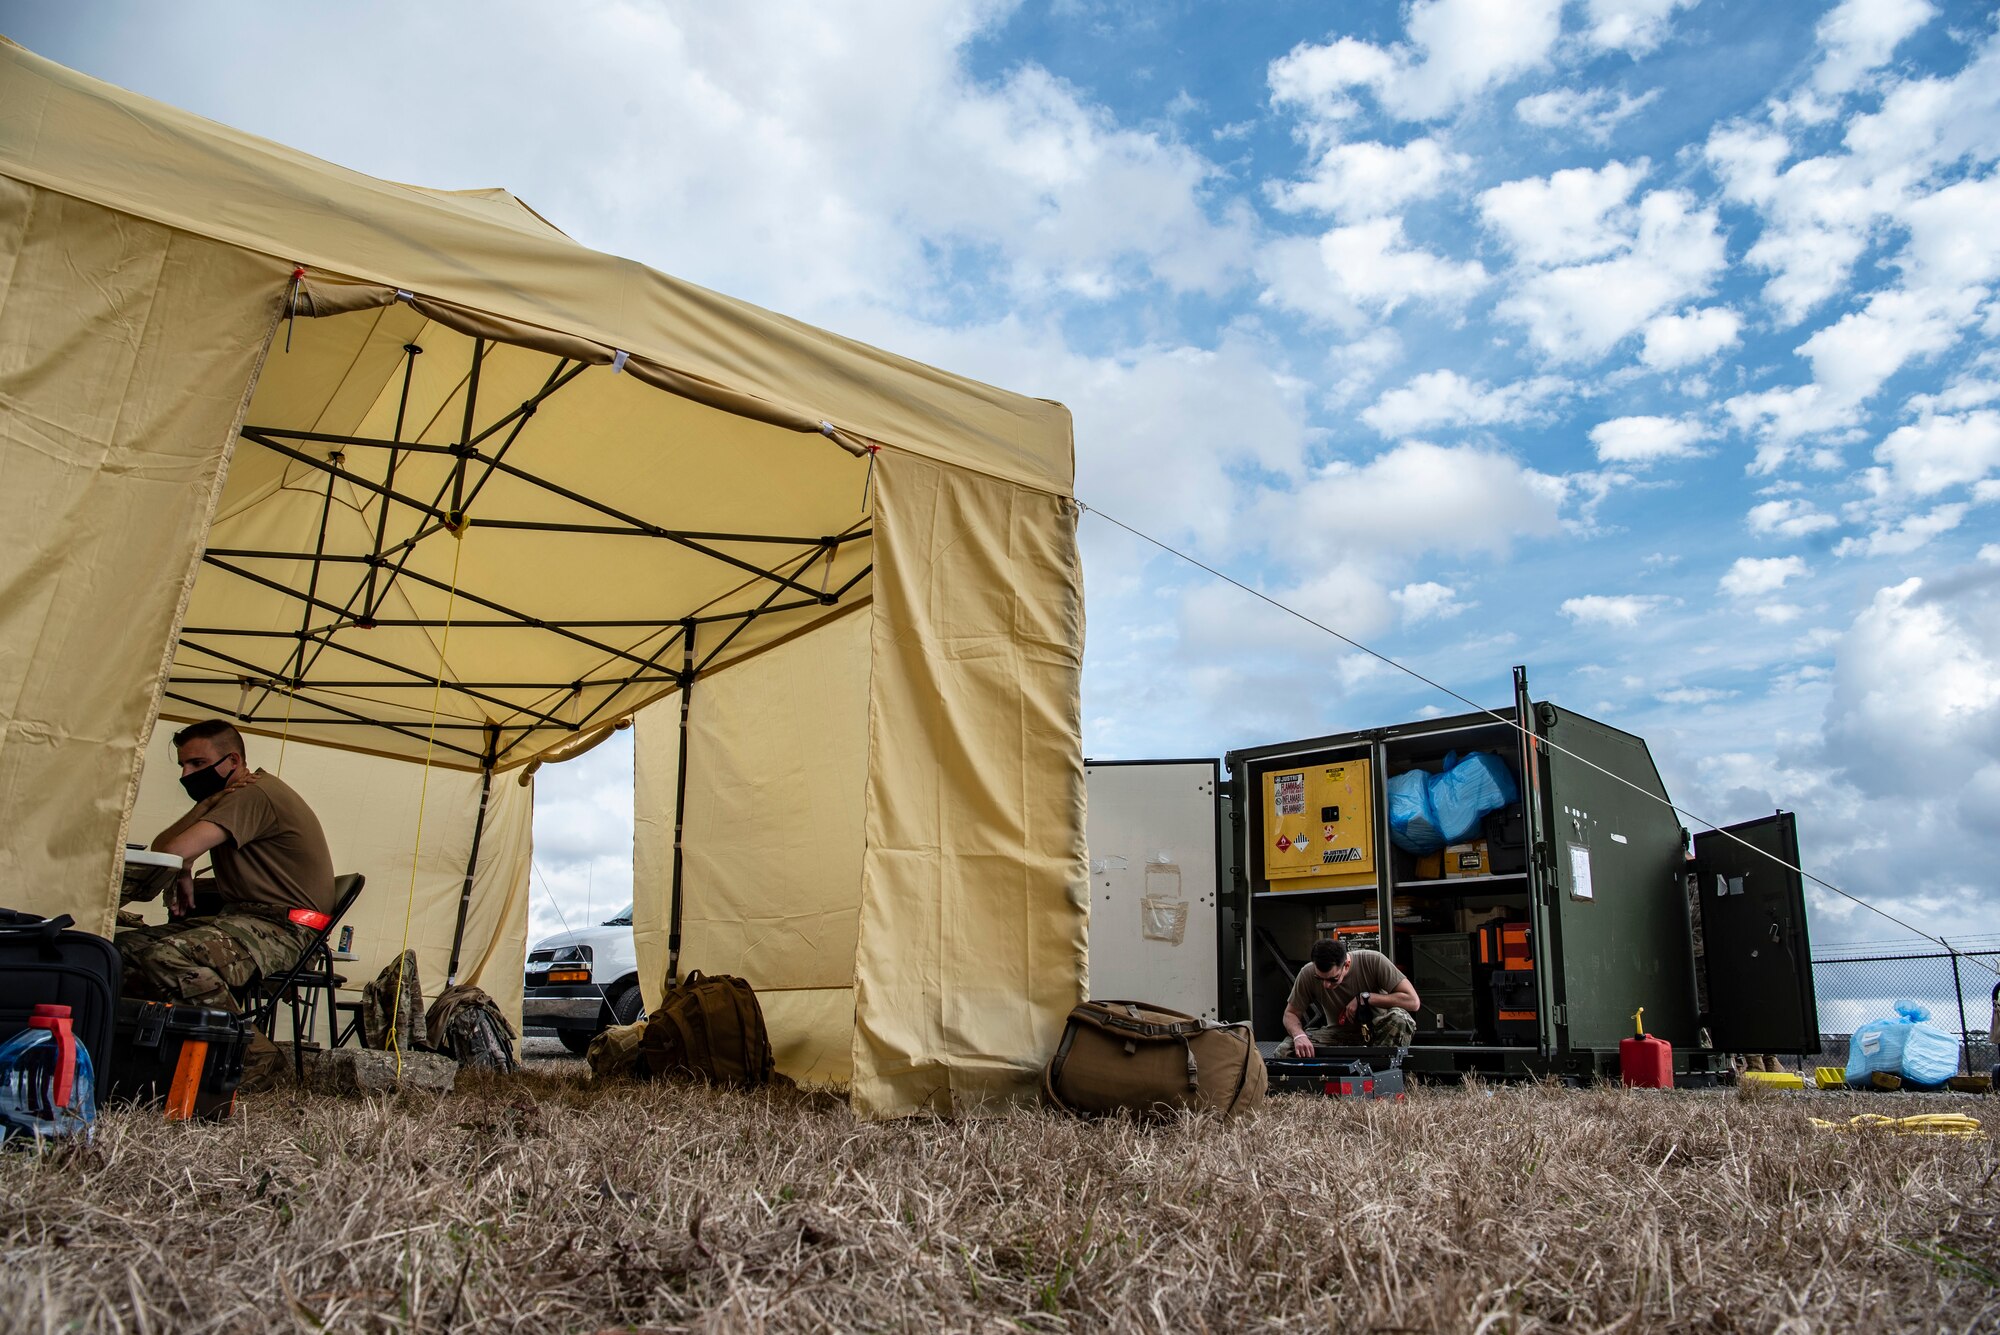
(709, 1028)
(1144, 1059)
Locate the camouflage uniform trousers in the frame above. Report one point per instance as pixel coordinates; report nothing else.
(1389, 1027)
(198, 961)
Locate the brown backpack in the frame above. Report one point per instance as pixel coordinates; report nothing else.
(711, 1029)
(1134, 1057)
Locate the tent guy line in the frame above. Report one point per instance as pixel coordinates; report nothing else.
(1501, 718)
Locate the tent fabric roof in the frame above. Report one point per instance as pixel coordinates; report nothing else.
(486, 251)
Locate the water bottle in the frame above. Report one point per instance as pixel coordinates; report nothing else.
(47, 1088)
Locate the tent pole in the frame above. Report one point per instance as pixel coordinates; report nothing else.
(465, 436)
(472, 862)
(680, 806)
(410, 354)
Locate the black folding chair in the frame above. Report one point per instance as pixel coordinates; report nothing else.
(299, 988)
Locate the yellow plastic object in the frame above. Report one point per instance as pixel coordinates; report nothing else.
(1771, 1079)
(1922, 1124)
(1319, 827)
(1829, 1077)
(1639, 1023)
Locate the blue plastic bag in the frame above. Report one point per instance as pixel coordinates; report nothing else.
(1930, 1055)
(1920, 1053)
(1413, 822)
(1466, 791)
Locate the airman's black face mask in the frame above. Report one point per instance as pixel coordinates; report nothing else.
(203, 784)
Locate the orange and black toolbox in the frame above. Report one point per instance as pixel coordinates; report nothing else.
(188, 1058)
(1504, 957)
(1504, 945)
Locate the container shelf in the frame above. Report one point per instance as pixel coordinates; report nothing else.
(1303, 896)
(1454, 882)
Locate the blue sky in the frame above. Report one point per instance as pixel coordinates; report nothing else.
(1652, 344)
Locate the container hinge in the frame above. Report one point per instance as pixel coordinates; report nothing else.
(1545, 855)
(1561, 1013)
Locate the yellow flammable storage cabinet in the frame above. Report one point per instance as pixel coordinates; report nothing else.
(1319, 826)
(1532, 943)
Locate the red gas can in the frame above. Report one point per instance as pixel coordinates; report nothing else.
(1646, 1062)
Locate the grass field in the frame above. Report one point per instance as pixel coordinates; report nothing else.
(542, 1204)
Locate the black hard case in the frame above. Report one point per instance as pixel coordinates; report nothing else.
(150, 1037)
(46, 961)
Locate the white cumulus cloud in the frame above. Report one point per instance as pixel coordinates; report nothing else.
(1755, 576)
(1446, 398)
(1368, 267)
(1694, 695)
(1575, 214)
(1367, 180)
(1623, 610)
(1674, 341)
(1673, 253)
(1938, 453)
(1632, 26)
(1592, 112)
(1858, 37)
(1789, 518)
(1916, 698)
(1644, 440)
(1457, 50)
(1428, 601)
(1900, 537)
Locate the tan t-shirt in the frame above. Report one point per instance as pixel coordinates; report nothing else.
(276, 852)
(1368, 971)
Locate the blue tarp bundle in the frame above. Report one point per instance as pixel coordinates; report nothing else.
(1428, 811)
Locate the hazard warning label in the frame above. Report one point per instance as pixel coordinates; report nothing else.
(1289, 794)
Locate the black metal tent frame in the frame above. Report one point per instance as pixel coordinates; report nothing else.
(448, 511)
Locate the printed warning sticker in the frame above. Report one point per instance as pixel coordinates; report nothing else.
(1289, 794)
(1284, 844)
(1301, 843)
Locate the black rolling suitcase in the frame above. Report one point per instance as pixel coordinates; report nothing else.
(45, 960)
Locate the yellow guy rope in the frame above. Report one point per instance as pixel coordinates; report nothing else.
(1923, 1124)
(423, 793)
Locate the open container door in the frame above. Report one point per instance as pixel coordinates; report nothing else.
(1753, 917)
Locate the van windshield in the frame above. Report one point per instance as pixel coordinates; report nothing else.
(623, 918)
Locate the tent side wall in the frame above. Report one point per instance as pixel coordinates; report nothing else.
(974, 896)
(370, 807)
(777, 758)
(112, 446)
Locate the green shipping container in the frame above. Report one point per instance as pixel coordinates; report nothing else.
(1623, 908)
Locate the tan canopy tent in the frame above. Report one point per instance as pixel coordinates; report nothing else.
(407, 474)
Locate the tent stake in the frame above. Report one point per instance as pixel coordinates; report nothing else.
(472, 860)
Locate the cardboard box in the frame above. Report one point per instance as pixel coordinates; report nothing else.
(1468, 859)
(1429, 867)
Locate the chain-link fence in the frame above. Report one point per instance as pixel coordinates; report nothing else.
(1955, 985)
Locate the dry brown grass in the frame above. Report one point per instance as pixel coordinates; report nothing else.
(542, 1204)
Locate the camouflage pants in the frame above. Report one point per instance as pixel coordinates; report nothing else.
(1390, 1027)
(198, 961)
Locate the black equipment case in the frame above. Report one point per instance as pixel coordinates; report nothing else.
(1340, 1073)
(46, 961)
(187, 1057)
